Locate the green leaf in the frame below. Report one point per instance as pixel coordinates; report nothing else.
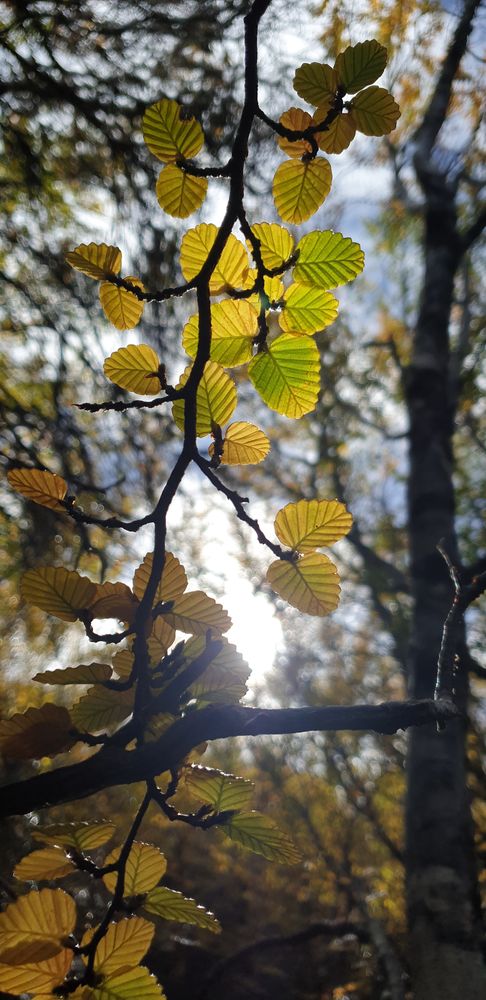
(172, 905)
(307, 309)
(299, 189)
(360, 65)
(167, 135)
(374, 112)
(215, 399)
(134, 984)
(179, 193)
(100, 709)
(256, 832)
(327, 259)
(220, 790)
(82, 836)
(234, 324)
(287, 375)
(316, 83)
(311, 584)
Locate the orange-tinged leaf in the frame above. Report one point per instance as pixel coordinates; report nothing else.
(374, 112)
(311, 584)
(81, 836)
(172, 583)
(58, 591)
(35, 926)
(298, 121)
(101, 708)
(316, 83)
(114, 600)
(144, 869)
(338, 135)
(160, 639)
(134, 368)
(360, 65)
(307, 309)
(47, 863)
(310, 524)
(172, 905)
(36, 977)
(44, 488)
(276, 243)
(234, 324)
(120, 306)
(299, 189)
(179, 193)
(232, 267)
(167, 135)
(123, 946)
(327, 259)
(97, 260)
(215, 399)
(195, 612)
(134, 984)
(38, 732)
(256, 832)
(244, 444)
(84, 673)
(287, 375)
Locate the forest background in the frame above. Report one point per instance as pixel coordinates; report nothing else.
(397, 388)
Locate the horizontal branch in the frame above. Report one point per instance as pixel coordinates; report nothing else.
(111, 766)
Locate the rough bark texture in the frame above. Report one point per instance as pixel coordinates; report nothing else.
(444, 916)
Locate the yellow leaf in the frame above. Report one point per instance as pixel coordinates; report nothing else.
(244, 444)
(297, 120)
(327, 259)
(84, 673)
(47, 863)
(167, 135)
(123, 946)
(299, 189)
(234, 324)
(97, 260)
(179, 193)
(38, 732)
(120, 306)
(195, 612)
(310, 524)
(307, 309)
(36, 977)
(160, 639)
(360, 65)
(113, 600)
(224, 679)
(134, 368)
(172, 905)
(101, 708)
(60, 592)
(374, 112)
(144, 869)
(35, 926)
(256, 832)
(311, 584)
(134, 984)
(232, 267)
(276, 243)
(273, 288)
(173, 581)
(338, 135)
(215, 399)
(287, 375)
(316, 83)
(44, 488)
(81, 836)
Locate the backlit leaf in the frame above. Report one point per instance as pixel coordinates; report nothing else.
(36, 977)
(195, 612)
(47, 863)
(220, 790)
(120, 306)
(179, 193)
(297, 120)
(338, 135)
(316, 83)
(167, 135)
(97, 260)
(44, 488)
(244, 444)
(35, 926)
(374, 112)
(171, 905)
(145, 867)
(81, 836)
(215, 399)
(224, 680)
(234, 323)
(84, 673)
(36, 733)
(160, 639)
(287, 375)
(256, 832)
(123, 946)
(310, 524)
(360, 65)
(122, 663)
(307, 309)
(299, 189)
(134, 368)
(276, 243)
(101, 708)
(173, 581)
(60, 592)
(327, 259)
(134, 984)
(113, 600)
(232, 267)
(311, 584)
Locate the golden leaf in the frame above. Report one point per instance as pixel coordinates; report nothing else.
(97, 260)
(144, 869)
(299, 189)
(44, 488)
(58, 591)
(311, 584)
(179, 193)
(121, 306)
(134, 368)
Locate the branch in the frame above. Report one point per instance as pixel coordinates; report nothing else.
(111, 767)
(464, 595)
